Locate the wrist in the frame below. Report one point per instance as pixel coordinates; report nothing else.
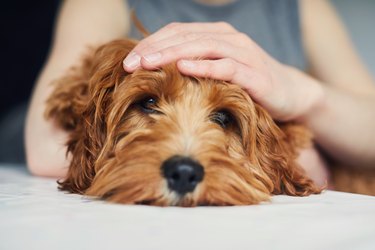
(310, 95)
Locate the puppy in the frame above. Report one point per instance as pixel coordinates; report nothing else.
(161, 138)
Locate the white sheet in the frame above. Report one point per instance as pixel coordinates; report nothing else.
(34, 215)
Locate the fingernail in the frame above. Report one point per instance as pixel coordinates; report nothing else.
(187, 64)
(152, 58)
(132, 60)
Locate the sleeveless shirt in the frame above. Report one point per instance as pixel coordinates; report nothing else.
(273, 24)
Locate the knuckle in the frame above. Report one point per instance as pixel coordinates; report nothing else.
(243, 38)
(174, 26)
(209, 69)
(225, 25)
(230, 67)
(147, 49)
(174, 51)
(210, 43)
(187, 36)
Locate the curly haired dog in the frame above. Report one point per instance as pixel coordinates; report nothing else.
(161, 138)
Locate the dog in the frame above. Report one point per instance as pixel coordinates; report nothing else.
(165, 139)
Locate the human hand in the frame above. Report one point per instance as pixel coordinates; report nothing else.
(227, 54)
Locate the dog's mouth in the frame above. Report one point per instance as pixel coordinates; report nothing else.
(174, 199)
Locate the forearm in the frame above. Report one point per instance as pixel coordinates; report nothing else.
(343, 123)
(44, 142)
(81, 23)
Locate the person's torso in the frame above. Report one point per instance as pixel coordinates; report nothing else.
(274, 25)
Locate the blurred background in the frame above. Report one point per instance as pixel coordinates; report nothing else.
(26, 29)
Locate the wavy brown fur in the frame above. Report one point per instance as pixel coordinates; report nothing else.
(117, 150)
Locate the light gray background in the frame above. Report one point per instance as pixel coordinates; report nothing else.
(359, 18)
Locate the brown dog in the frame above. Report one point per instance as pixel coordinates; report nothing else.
(161, 138)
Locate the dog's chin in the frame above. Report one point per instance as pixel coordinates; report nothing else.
(193, 200)
(161, 200)
(163, 196)
(186, 200)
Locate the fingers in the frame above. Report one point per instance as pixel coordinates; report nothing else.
(207, 48)
(234, 38)
(172, 33)
(197, 45)
(174, 29)
(228, 70)
(221, 69)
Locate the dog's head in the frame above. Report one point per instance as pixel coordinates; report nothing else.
(161, 138)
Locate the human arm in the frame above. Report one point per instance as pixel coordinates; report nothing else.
(344, 121)
(287, 93)
(80, 23)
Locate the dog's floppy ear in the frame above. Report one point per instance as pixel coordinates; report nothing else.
(70, 95)
(276, 152)
(75, 89)
(79, 104)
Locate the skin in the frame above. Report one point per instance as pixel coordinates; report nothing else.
(338, 88)
(80, 23)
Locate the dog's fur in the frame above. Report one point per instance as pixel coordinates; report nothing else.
(117, 148)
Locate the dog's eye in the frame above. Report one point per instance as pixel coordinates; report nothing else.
(148, 105)
(222, 117)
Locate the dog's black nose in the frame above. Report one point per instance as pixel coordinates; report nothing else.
(182, 173)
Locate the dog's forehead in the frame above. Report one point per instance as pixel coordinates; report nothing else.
(168, 82)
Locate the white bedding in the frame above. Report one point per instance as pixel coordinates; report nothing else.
(34, 215)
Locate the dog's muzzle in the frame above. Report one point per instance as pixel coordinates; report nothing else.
(182, 173)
